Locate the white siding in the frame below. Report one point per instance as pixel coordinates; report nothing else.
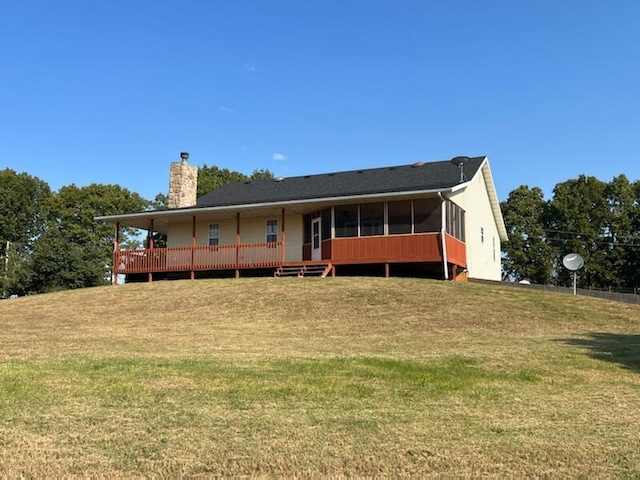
(252, 230)
(481, 261)
(179, 234)
(294, 237)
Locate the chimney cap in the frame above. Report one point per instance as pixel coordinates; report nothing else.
(184, 156)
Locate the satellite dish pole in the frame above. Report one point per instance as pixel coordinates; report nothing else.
(573, 262)
(460, 163)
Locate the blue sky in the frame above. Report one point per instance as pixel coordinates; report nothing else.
(112, 91)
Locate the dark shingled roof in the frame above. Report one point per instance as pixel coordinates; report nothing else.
(405, 178)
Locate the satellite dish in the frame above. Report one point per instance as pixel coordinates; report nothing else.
(573, 262)
(460, 162)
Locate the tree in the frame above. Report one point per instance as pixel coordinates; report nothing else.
(76, 249)
(579, 222)
(159, 203)
(261, 174)
(621, 231)
(528, 256)
(22, 221)
(210, 178)
(57, 264)
(21, 206)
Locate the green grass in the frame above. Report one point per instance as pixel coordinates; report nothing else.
(357, 377)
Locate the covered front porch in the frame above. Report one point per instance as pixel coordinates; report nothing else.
(407, 249)
(349, 236)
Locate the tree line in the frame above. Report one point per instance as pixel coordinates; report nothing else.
(50, 241)
(598, 220)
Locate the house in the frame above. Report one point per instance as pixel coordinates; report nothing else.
(440, 219)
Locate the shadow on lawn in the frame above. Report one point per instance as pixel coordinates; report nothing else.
(611, 347)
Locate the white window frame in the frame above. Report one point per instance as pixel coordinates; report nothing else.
(271, 231)
(216, 228)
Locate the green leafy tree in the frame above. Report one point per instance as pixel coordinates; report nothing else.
(159, 203)
(528, 256)
(76, 249)
(621, 233)
(210, 178)
(57, 264)
(580, 216)
(261, 174)
(633, 268)
(22, 221)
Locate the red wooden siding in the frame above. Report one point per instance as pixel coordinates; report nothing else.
(456, 251)
(326, 249)
(425, 247)
(392, 248)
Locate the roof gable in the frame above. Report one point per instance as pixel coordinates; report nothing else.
(436, 176)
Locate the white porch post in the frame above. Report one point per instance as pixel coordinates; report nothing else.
(443, 233)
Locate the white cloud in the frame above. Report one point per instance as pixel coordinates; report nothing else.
(249, 67)
(278, 156)
(225, 109)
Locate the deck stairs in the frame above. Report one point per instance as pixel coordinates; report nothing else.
(302, 270)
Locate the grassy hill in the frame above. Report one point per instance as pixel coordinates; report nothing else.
(342, 376)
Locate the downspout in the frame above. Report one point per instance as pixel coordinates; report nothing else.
(237, 244)
(193, 247)
(116, 256)
(150, 258)
(443, 231)
(283, 254)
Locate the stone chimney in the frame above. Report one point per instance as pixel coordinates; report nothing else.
(183, 183)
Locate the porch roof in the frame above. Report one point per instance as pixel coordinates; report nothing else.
(162, 218)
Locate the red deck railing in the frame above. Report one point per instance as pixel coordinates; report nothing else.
(218, 257)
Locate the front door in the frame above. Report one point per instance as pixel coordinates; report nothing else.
(316, 244)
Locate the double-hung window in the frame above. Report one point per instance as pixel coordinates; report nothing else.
(272, 231)
(214, 234)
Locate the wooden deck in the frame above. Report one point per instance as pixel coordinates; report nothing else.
(199, 258)
(418, 248)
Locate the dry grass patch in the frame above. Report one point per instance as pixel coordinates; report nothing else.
(318, 377)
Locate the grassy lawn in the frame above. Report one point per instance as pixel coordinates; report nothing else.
(307, 377)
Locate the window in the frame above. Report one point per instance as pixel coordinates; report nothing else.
(306, 221)
(481, 235)
(326, 223)
(346, 221)
(272, 231)
(400, 217)
(494, 249)
(315, 234)
(427, 215)
(214, 234)
(371, 219)
(455, 220)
